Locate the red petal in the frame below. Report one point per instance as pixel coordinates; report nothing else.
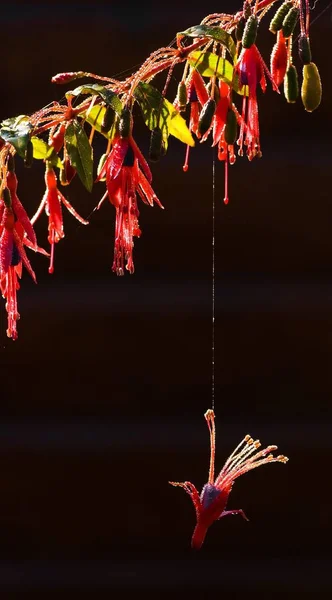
(6, 250)
(200, 88)
(141, 159)
(23, 256)
(22, 216)
(72, 210)
(148, 191)
(116, 157)
(114, 187)
(54, 211)
(27, 243)
(279, 58)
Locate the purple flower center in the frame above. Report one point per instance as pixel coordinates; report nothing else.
(193, 95)
(243, 75)
(15, 256)
(209, 494)
(129, 159)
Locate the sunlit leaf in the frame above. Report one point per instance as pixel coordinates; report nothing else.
(16, 131)
(209, 64)
(216, 33)
(96, 89)
(157, 111)
(42, 151)
(95, 118)
(80, 153)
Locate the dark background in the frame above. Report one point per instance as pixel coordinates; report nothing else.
(103, 394)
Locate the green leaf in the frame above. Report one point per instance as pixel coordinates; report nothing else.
(96, 89)
(95, 118)
(16, 131)
(209, 64)
(42, 151)
(216, 33)
(80, 153)
(170, 122)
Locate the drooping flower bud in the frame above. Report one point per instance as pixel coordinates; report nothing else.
(125, 123)
(108, 120)
(250, 32)
(304, 49)
(291, 85)
(289, 22)
(206, 116)
(311, 91)
(67, 77)
(182, 96)
(156, 140)
(230, 133)
(276, 23)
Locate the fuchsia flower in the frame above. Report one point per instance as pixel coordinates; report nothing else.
(250, 68)
(197, 97)
(51, 202)
(15, 230)
(219, 119)
(127, 173)
(211, 503)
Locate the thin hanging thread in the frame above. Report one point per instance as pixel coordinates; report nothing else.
(213, 279)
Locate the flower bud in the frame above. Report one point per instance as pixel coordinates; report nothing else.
(304, 49)
(311, 91)
(206, 116)
(155, 149)
(230, 133)
(66, 77)
(250, 32)
(289, 22)
(108, 120)
(276, 23)
(125, 123)
(182, 96)
(291, 85)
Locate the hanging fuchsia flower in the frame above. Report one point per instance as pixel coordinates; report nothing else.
(197, 97)
(15, 230)
(220, 117)
(251, 70)
(127, 173)
(51, 202)
(225, 130)
(210, 505)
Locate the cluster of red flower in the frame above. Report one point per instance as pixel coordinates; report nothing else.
(221, 63)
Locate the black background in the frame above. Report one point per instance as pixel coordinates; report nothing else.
(103, 394)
